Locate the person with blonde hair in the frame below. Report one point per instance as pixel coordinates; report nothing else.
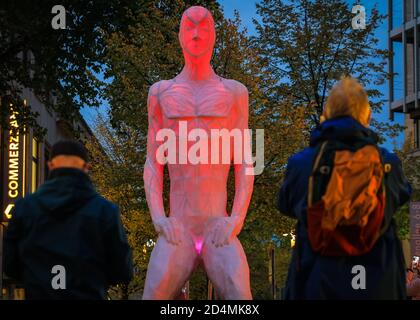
(348, 98)
(344, 191)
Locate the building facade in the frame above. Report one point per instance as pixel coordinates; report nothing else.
(404, 66)
(23, 160)
(404, 86)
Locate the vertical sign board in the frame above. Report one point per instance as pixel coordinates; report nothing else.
(415, 228)
(2, 173)
(2, 152)
(13, 164)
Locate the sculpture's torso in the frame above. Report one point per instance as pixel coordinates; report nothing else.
(198, 191)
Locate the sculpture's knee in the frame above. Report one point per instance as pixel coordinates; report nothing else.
(236, 288)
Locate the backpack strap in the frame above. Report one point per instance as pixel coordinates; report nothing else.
(314, 168)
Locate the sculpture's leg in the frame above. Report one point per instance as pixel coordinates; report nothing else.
(169, 268)
(228, 270)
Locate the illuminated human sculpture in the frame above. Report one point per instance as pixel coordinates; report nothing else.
(198, 230)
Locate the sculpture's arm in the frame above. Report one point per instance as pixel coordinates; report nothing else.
(244, 178)
(153, 171)
(228, 228)
(153, 168)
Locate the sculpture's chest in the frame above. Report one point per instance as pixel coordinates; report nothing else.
(184, 101)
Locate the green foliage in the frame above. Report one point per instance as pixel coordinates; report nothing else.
(60, 63)
(117, 175)
(402, 219)
(411, 168)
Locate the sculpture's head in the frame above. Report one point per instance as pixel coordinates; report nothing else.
(197, 33)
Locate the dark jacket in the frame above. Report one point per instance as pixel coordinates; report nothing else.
(67, 223)
(312, 276)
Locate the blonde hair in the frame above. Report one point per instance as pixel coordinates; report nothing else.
(348, 98)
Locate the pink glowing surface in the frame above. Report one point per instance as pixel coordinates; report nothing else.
(205, 101)
(198, 245)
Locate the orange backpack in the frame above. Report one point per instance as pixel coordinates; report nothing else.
(346, 198)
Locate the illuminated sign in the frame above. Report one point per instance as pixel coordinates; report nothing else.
(13, 161)
(13, 167)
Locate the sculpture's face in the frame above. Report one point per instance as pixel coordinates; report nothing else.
(197, 34)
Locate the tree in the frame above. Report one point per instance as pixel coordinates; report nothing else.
(411, 168)
(309, 44)
(58, 66)
(116, 173)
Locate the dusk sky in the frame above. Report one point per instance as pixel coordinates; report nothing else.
(247, 12)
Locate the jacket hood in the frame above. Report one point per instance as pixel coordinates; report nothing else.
(342, 128)
(65, 191)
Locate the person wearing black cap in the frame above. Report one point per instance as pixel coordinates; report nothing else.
(65, 241)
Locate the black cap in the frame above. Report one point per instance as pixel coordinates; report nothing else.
(69, 148)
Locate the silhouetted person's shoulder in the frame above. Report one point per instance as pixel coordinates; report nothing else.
(302, 158)
(104, 209)
(398, 189)
(390, 157)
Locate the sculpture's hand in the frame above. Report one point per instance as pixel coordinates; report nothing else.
(169, 228)
(224, 230)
